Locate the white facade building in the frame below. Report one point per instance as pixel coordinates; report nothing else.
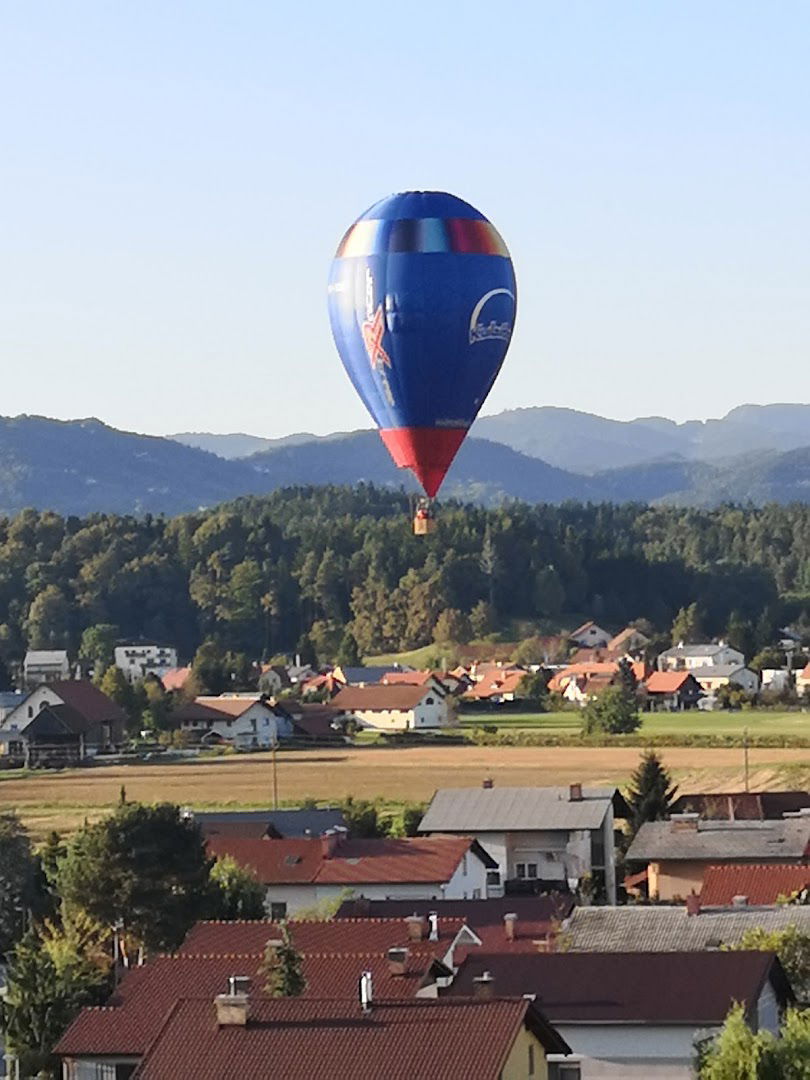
(689, 657)
(245, 720)
(45, 665)
(137, 660)
(393, 708)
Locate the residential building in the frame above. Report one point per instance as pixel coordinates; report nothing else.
(628, 642)
(9, 700)
(678, 851)
(742, 805)
(776, 680)
(672, 691)
(803, 681)
(432, 680)
(365, 676)
(62, 723)
(590, 636)
(490, 1040)
(175, 678)
(300, 873)
(271, 823)
(247, 721)
(765, 884)
(45, 665)
(496, 688)
(634, 1015)
(714, 676)
(273, 679)
(142, 658)
(393, 708)
(688, 657)
(664, 928)
(537, 836)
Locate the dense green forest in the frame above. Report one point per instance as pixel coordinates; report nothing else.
(260, 574)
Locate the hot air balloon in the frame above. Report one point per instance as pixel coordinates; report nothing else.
(422, 305)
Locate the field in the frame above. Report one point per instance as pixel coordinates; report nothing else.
(63, 800)
(695, 722)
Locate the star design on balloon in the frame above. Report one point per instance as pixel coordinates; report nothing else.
(372, 331)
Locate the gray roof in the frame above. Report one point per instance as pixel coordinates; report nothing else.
(286, 822)
(636, 928)
(10, 699)
(46, 656)
(716, 671)
(724, 841)
(709, 649)
(369, 675)
(495, 809)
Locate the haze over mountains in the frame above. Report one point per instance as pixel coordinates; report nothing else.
(756, 453)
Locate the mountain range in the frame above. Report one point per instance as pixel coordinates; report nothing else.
(756, 453)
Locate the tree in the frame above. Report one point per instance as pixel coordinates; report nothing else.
(687, 626)
(143, 865)
(611, 712)
(48, 622)
(16, 879)
(282, 968)
(348, 654)
(42, 997)
(533, 688)
(97, 646)
(740, 634)
(305, 651)
(235, 893)
(651, 793)
(361, 818)
(452, 626)
(738, 1053)
(116, 686)
(549, 592)
(731, 696)
(209, 668)
(792, 946)
(483, 619)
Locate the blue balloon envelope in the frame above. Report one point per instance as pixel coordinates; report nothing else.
(422, 303)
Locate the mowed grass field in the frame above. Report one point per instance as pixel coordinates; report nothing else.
(694, 722)
(63, 800)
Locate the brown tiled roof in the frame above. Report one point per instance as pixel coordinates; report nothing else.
(534, 913)
(304, 1038)
(762, 884)
(743, 805)
(560, 679)
(87, 699)
(379, 697)
(175, 678)
(426, 859)
(667, 682)
(409, 678)
(214, 708)
(507, 682)
(693, 988)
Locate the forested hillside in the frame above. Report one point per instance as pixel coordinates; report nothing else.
(260, 573)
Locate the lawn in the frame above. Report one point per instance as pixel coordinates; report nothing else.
(695, 722)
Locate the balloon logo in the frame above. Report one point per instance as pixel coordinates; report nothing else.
(422, 302)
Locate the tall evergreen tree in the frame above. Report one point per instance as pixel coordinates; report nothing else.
(651, 793)
(282, 968)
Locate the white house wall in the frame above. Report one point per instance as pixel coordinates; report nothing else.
(421, 717)
(663, 1051)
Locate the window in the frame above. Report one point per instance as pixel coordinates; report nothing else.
(526, 870)
(278, 911)
(476, 894)
(429, 701)
(464, 865)
(531, 1060)
(564, 1070)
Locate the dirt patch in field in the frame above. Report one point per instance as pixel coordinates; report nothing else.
(63, 800)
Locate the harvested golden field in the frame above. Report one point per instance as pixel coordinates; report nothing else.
(63, 800)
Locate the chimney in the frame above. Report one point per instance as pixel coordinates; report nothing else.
(397, 961)
(488, 782)
(684, 822)
(739, 901)
(433, 922)
(329, 843)
(416, 927)
(363, 906)
(232, 1007)
(366, 992)
(510, 925)
(484, 986)
(693, 903)
(575, 793)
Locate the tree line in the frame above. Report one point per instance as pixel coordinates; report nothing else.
(295, 570)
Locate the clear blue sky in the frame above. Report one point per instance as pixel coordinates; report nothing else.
(174, 177)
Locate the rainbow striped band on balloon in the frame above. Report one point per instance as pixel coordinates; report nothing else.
(467, 236)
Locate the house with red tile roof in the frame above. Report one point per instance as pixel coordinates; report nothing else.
(762, 886)
(393, 707)
(299, 873)
(61, 722)
(635, 1016)
(247, 721)
(590, 636)
(672, 691)
(204, 1039)
(175, 678)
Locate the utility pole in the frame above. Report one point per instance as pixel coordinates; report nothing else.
(274, 747)
(745, 748)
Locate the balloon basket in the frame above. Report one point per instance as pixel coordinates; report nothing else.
(423, 525)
